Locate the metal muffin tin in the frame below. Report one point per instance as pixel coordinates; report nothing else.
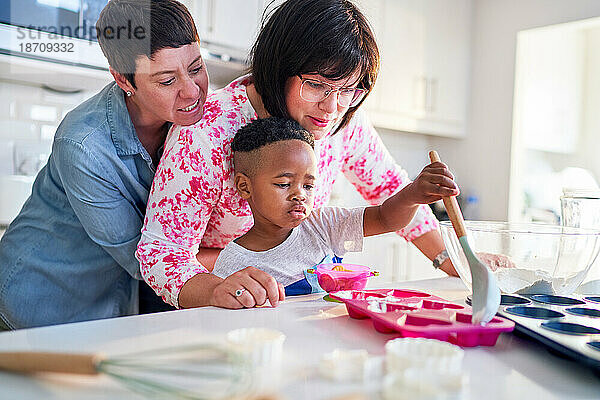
(569, 325)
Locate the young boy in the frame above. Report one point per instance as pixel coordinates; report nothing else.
(275, 168)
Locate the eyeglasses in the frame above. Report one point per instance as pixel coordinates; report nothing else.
(316, 91)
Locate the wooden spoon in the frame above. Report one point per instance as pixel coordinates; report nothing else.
(486, 294)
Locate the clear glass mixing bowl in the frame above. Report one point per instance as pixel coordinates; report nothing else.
(580, 208)
(527, 258)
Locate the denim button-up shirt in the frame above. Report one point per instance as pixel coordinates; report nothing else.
(69, 255)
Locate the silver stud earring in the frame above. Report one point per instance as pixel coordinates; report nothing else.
(129, 94)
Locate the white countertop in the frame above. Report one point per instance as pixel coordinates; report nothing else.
(515, 368)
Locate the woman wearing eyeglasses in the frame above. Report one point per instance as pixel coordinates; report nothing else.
(314, 61)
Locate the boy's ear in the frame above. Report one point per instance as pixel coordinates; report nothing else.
(242, 185)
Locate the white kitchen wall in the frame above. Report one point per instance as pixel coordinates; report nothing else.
(585, 152)
(555, 132)
(29, 116)
(591, 141)
(482, 160)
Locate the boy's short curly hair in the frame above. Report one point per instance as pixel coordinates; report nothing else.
(262, 132)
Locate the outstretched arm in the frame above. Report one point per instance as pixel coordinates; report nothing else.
(433, 183)
(372, 170)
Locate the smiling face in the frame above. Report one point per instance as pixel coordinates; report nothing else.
(319, 118)
(280, 190)
(171, 86)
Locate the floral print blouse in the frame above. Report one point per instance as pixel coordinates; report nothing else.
(193, 202)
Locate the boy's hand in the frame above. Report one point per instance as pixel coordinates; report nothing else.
(248, 288)
(433, 183)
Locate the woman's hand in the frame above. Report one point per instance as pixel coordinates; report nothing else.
(434, 182)
(247, 288)
(496, 261)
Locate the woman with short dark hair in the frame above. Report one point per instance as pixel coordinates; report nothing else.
(69, 254)
(314, 61)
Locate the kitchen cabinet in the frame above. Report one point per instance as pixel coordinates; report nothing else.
(229, 27)
(423, 85)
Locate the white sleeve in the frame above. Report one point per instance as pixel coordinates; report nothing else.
(340, 227)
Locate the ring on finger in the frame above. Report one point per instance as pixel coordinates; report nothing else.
(239, 292)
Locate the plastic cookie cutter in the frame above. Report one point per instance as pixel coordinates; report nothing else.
(418, 368)
(261, 347)
(261, 350)
(350, 366)
(428, 354)
(419, 384)
(334, 277)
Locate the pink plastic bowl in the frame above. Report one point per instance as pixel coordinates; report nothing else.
(352, 277)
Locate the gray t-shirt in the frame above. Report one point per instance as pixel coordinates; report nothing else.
(326, 232)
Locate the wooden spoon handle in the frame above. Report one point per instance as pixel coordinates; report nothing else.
(456, 217)
(28, 362)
